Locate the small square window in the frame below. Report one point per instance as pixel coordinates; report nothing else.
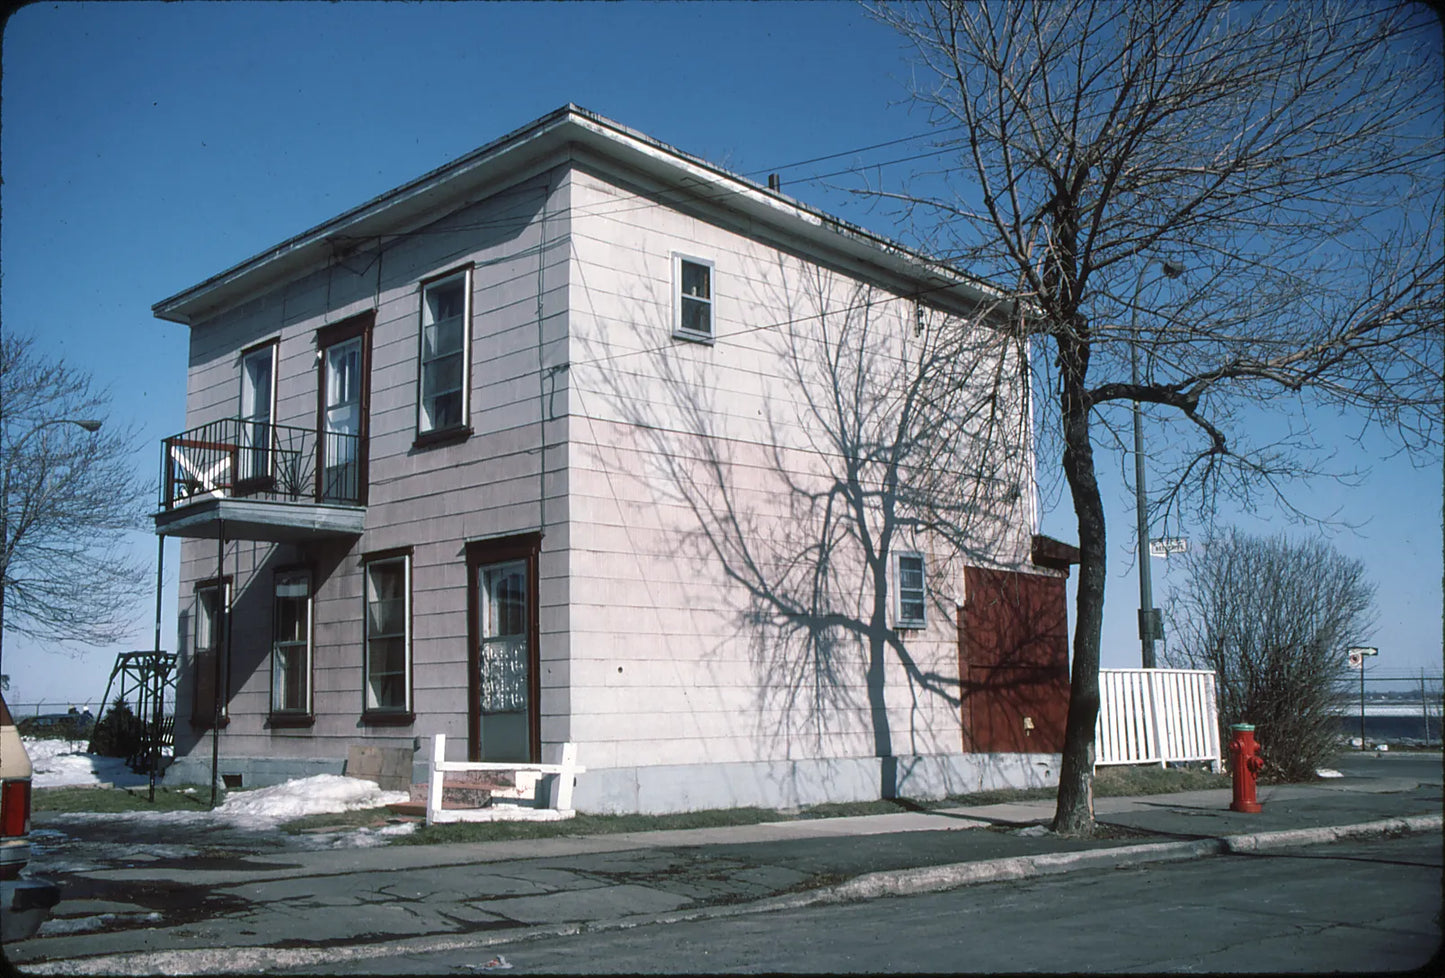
(910, 590)
(693, 302)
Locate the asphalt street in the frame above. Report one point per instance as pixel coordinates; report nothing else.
(1347, 907)
(152, 898)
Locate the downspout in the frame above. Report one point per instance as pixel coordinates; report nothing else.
(541, 371)
(221, 628)
(157, 714)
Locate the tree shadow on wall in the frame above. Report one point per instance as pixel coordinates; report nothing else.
(828, 427)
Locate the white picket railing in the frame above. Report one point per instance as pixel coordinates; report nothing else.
(1154, 716)
(524, 802)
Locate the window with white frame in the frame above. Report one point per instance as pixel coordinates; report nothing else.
(692, 313)
(910, 591)
(387, 662)
(291, 643)
(445, 353)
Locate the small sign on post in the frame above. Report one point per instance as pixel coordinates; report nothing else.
(1164, 546)
(1357, 661)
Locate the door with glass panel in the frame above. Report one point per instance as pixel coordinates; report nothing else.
(504, 660)
(341, 421)
(253, 459)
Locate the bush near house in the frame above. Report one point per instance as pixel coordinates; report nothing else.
(119, 733)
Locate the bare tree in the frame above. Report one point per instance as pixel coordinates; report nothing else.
(1273, 618)
(69, 495)
(1245, 198)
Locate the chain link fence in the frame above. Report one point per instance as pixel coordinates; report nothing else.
(1391, 707)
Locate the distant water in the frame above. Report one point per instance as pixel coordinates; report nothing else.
(1391, 729)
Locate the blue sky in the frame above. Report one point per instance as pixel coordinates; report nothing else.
(145, 147)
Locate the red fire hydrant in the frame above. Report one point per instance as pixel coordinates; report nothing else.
(1245, 762)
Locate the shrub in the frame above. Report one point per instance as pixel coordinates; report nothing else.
(1273, 618)
(119, 733)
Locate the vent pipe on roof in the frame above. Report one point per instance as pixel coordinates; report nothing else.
(775, 182)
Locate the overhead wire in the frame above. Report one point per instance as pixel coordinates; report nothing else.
(626, 202)
(644, 200)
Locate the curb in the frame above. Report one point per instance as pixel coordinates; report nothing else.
(926, 879)
(932, 879)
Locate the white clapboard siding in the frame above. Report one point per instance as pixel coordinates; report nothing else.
(1155, 716)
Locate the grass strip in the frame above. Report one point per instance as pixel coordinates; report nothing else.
(1108, 782)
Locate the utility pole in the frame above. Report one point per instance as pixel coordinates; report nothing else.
(1151, 626)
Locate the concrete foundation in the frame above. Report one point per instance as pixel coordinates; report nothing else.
(695, 787)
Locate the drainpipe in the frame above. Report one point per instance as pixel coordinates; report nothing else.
(220, 629)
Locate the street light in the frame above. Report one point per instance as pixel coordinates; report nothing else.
(1150, 625)
(1357, 656)
(91, 425)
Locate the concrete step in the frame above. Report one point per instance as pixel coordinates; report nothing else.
(460, 789)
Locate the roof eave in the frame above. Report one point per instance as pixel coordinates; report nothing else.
(431, 192)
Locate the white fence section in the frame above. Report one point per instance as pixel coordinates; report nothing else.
(524, 802)
(1154, 716)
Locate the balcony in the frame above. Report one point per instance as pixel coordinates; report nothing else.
(260, 481)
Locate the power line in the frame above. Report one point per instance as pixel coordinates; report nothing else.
(621, 205)
(850, 152)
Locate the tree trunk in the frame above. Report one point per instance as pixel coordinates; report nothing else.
(1075, 812)
(877, 690)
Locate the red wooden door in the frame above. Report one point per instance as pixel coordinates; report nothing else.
(1013, 645)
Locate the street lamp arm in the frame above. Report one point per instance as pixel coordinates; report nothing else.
(91, 425)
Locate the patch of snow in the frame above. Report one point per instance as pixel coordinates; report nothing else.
(261, 809)
(59, 763)
(1328, 772)
(1032, 831)
(64, 764)
(320, 794)
(362, 838)
(84, 925)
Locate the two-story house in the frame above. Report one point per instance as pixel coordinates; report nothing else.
(579, 438)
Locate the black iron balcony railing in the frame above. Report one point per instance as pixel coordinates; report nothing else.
(235, 458)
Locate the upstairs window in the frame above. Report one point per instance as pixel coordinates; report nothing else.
(693, 299)
(343, 389)
(910, 591)
(445, 354)
(258, 400)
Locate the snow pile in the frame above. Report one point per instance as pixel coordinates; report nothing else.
(61, 763)
(321, 794)
(64, 764)
(1328, 772)
(57, 926)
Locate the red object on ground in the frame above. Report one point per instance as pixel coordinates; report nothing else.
(1245, 763)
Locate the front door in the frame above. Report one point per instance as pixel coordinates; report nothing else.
(258, 368)
(504, 661)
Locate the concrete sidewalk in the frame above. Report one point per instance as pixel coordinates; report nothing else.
(243, 912)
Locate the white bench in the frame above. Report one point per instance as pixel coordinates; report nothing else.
(519, 803)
